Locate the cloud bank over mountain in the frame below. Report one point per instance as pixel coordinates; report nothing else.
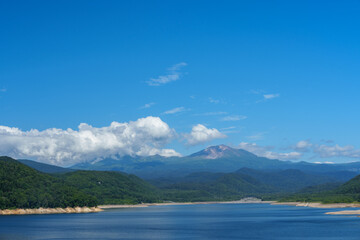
(297, 151)
(267, 151)
(144, 137)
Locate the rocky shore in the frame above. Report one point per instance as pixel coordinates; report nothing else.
(50, 210)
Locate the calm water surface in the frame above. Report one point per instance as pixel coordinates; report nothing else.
(213, 221)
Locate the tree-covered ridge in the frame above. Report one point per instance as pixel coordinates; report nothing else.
(207, 186)
(350, 187)
(348, 192)
(24, 187)
(112, 187)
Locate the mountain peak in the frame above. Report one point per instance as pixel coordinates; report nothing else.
(219, 151)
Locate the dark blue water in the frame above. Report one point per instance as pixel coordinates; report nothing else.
(213, 221)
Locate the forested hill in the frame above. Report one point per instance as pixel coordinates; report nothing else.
(351, 187)
(112, 187)
(24, 187)
(348, 192)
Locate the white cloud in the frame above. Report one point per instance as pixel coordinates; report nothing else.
(3, 89)
(265, 151)
(143, 137)
(234, 118)
(173, 75)
(325, 151)
(201, 134)
(148, 105)
(283, 156)
(271, 96)
(303, 146)
(175, 110)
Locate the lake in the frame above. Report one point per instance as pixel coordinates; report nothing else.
(208, 221)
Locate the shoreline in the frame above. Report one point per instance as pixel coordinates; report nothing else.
(67, 210)
(326, 205)
(318, 205)
(295, 204)
(110, 206)
(100, 208)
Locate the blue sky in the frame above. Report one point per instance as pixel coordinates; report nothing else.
(283, 75)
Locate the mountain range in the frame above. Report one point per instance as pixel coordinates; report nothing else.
(213, 159)
(216, 173)
(22, 186)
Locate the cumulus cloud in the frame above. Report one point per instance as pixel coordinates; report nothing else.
(175, 110)
(234, 118)
(266, 151)
(173, 75)
(144, 137)
(201, 134)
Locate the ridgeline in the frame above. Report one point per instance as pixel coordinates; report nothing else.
(24, 187)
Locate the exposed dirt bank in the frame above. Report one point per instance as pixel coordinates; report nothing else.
(348, 212)
(50, 210)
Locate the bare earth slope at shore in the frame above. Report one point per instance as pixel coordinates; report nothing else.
(50, 210)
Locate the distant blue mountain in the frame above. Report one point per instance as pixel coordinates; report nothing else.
(45, 168)
(219, 158)
(275, 181)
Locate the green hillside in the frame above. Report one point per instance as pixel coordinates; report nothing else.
(348, 192)
(350, 187)
(289, 180)
(24, 187)
(211, 187)
(245, 182)
(112, 187)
